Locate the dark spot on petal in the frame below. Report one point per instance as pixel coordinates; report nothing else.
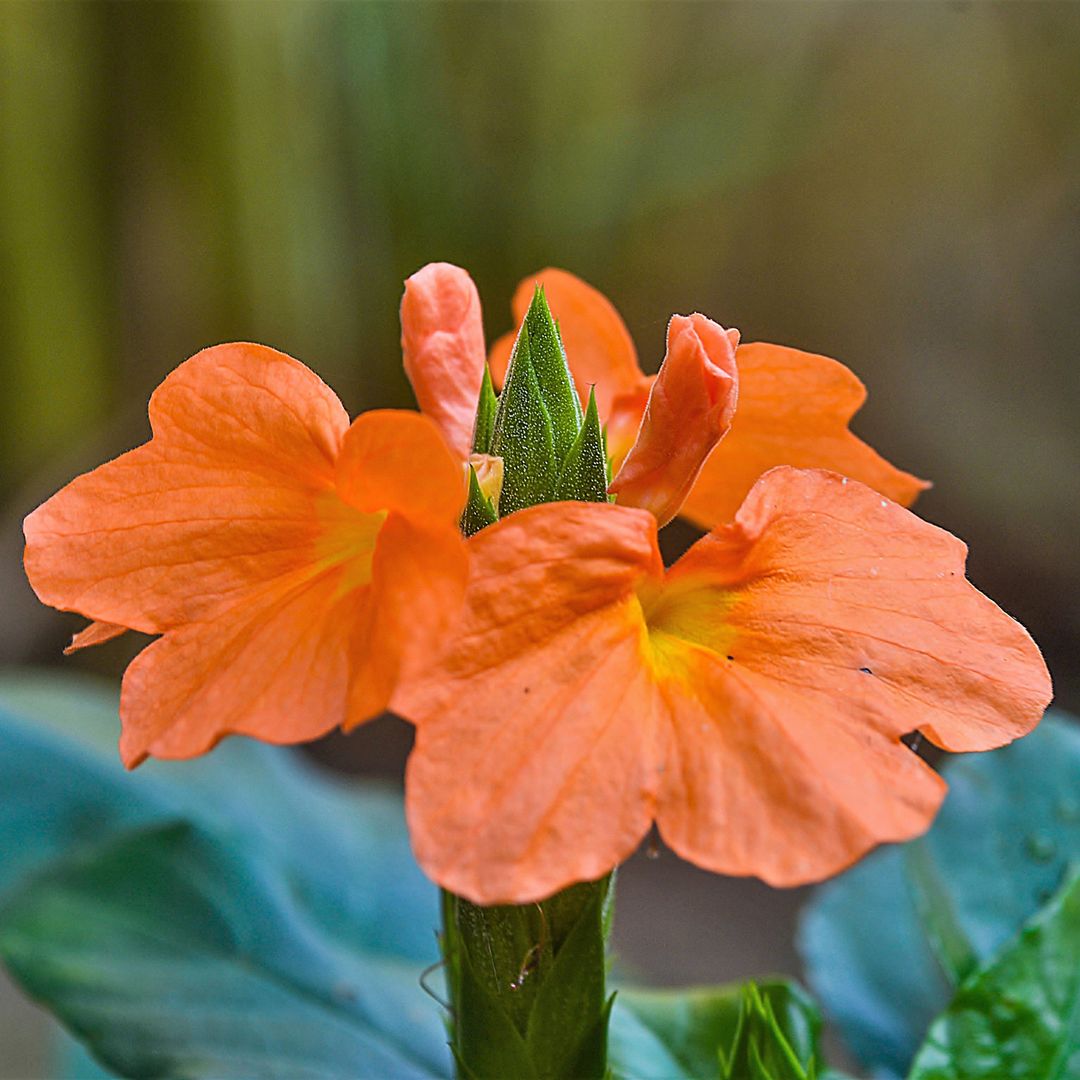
(731, 657)
(866, 671)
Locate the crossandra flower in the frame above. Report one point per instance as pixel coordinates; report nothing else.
(793, 408)
(295, 566)
(750, 701)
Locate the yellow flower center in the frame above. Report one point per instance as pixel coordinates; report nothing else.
(685, 617)
(347, 539)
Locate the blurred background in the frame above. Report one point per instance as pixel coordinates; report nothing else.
(896, 185)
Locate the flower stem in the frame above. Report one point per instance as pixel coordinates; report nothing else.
(527, 985)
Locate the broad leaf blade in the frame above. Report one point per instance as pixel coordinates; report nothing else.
(173, 954)
(1018, 1018)
(1000, 848)
(344, 847)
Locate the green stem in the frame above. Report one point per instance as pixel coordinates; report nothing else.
(527, 985)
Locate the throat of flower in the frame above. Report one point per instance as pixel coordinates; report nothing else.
(347, 542)
(683, 620)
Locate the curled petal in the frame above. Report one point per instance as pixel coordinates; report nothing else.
(442, 342)
(794, 409)
(97, 633)
(689, 411)
(794, 648)
(395, 460)
(533, 762)
(599, 348)
(222, 497)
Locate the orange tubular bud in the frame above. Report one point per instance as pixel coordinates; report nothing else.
(689, 411)
(489, 475)
(442, 342)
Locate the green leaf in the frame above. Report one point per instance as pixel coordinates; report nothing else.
(683, 1034)
(583, 474)
(479, 510)
(761, 1048)
(340, 851)
(999, 850)
(523, 435)
(1018, 1018)
(553, 374)
(174, 954)
(937, 915)
(64, 787)
(486, 408)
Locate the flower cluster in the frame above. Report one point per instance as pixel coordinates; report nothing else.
(568, 691)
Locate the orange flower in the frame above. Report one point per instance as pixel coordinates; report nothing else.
(751, 700)
(793, 408)
(296, 567)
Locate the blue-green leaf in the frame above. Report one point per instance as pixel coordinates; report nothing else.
(1018, 1018)
(999, 849)
(173, 954)
(345, 846)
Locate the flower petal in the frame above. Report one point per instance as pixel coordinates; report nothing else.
(221, 498)
(97, 633)
(533, 766)
(418, 581)
(794, 408)
(689, 411)
(442, 341)
(395, 460)
(598, 346)
(275, 667)
(795, 647)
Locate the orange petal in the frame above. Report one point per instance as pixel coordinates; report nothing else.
(97, 633)
(794, 408)
(598, 346)
(222, 498)
(275, 667)
(418, 582)
(442, 340)
(794, 648)
(689, 411)
(532, 766)
(395, 460)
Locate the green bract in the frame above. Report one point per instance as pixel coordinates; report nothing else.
(486, 408)
(549, 450)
